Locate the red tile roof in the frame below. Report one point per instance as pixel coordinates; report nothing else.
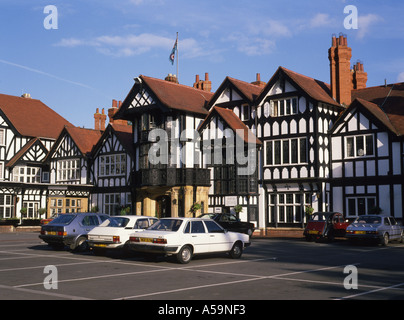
(316, 89)
(178, 96)
(250, 91)
(233, 122)
(85, 139)
(389, 99)
(31, 117)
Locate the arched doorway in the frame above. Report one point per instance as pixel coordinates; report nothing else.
(163, 206)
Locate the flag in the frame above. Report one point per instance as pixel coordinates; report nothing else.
(172, 55)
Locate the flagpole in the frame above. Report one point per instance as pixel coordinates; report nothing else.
(178, 76)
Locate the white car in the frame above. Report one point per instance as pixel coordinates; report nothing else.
(185, 237)
(114, 232)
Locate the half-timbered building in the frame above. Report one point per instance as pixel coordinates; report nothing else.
(294, 114)
(111, 170)
(368, 153)
(69, 168)
(167, 177)
(23, 147)
(232, 118)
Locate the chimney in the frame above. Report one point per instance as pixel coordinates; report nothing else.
(111, 112)
(103, 118)
(205, 85)
(258, 81)
(340, 69)
(359, 76)
(99, 120)
(171, 78)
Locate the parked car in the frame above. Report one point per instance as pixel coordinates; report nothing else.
(186, 237)
(375, 227)
(47, 220)
(230, 222)
(114, 232)
(71, 229)
(325, 225)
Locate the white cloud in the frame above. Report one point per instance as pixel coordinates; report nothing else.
(400, 77)
(132, 45)
(320, 20)
(365, 23)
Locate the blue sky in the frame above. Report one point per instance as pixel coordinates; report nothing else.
(101, 45)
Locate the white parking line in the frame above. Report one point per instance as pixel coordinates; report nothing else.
(372, 291)
(46, 293)
(256, 277)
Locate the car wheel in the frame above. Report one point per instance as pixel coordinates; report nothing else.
(236, 251)
(185, 255)
(385, 239)
(81, 245)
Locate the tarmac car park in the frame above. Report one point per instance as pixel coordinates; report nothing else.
(270, 269)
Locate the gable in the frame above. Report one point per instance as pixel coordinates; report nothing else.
(32, 152)
(143, 98)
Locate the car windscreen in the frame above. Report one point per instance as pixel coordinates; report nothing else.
(115, 222)
(318, 217)
(368, 219)
(63, 219)
(166, 225)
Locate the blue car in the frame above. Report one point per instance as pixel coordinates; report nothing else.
(71, 229)
(375, 227)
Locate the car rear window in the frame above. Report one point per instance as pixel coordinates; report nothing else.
(167, 225)
(63, 219)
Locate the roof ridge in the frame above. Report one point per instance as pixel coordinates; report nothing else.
(177, 84)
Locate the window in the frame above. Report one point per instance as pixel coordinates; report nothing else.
(90, 221)
(27, 174)
(68, 170)
(6, 206)
(112, 202)
(213, 227)
(112, 165)
(359, 146)
(284, 107)
(197, 227)
(360, 205)
(289, 151)
(287, 207)
(2, 137)
(245, 112)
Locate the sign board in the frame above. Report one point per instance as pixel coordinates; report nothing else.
(230, 201)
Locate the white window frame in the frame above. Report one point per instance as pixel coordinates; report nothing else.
(282, 162)
(69, 170)
(359, 153)
(276, 107)
(112, 165)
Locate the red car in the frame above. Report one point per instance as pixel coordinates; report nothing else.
(326, 225)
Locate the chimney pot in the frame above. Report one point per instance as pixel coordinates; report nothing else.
(206, 76)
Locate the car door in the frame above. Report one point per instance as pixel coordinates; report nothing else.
(196, 235)
(395, 228)
(218, 237)
(89, 222)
